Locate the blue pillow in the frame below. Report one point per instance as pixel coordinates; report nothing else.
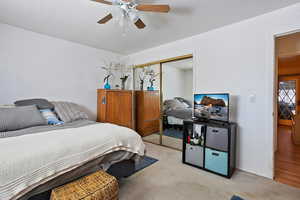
(50, 116)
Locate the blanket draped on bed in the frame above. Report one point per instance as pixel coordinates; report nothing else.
(29, 160)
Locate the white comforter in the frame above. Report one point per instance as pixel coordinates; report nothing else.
(36, 158)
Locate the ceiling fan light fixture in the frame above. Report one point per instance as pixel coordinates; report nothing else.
(133, 16)
(126, 11)
(117, 14)
(115, 2)
(125, 7)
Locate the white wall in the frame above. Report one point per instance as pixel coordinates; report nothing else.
(177, 82)
(35, 65)
(239, 59)
(172, 82)
(188, 80)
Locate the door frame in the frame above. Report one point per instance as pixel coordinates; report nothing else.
(275, 95)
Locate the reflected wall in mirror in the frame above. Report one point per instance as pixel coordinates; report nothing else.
(177, 96)
(147, 94)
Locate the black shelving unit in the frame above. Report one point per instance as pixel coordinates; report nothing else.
(211, 146)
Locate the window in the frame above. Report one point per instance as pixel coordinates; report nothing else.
(287, 99)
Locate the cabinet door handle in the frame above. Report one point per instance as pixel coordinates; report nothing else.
(215, 131)
(215, 154)
(103, 100)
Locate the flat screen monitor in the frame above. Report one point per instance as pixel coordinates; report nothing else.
(212, 106)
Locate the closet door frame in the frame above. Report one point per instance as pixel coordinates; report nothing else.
(161, 62)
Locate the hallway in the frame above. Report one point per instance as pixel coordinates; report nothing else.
(287, 160)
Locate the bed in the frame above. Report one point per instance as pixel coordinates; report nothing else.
(39, 158)
(176, 111)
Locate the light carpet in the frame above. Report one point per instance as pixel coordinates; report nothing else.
(170, 179)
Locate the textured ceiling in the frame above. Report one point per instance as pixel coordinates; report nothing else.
(75, 20)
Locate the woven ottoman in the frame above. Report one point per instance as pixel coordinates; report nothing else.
(97, 186)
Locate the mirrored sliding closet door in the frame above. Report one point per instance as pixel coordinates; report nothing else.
(147, 97)
(177, 100)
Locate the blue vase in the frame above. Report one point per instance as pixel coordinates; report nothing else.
(107, 86)
(150, 88)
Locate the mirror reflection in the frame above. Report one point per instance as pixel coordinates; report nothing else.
(177, 95)
(164, 99)
(147, 93)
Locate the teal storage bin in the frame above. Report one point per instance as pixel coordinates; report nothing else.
(216, 161)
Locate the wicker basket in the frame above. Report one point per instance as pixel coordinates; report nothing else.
(97, 186)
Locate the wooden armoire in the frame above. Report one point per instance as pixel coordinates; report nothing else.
(116, 107)
(147, 112)
(138, 110)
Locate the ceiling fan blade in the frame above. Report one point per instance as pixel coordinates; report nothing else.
(105, 19)
(153, 8)
(140, 24)
(103, 1)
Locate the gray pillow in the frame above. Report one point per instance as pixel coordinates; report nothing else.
(12, 119)
(68, 111)
(40, 103)
(173, 104)
(184, 101)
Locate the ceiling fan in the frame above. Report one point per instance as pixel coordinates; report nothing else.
(129, 9)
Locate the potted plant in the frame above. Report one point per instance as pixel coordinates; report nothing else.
(151, 73)
(142, 77)
(108, 73)
(124, 71)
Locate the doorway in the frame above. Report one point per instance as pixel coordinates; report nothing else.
(287, 154)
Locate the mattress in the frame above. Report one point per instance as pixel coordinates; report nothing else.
(180, 113)
(174, 121)
(30, 160)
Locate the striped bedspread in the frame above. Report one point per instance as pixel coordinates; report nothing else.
(27, 161)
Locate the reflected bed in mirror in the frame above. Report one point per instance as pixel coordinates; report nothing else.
(147, 98)
(164, 96)
(177, 90)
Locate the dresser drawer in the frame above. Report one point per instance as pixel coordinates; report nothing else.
(217, 138)
(148, 127)
(194, 155)
(216, 161)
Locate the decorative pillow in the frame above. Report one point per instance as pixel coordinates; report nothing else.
(51, 117)
(68, 111)
(40, 103)
(12, 119)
